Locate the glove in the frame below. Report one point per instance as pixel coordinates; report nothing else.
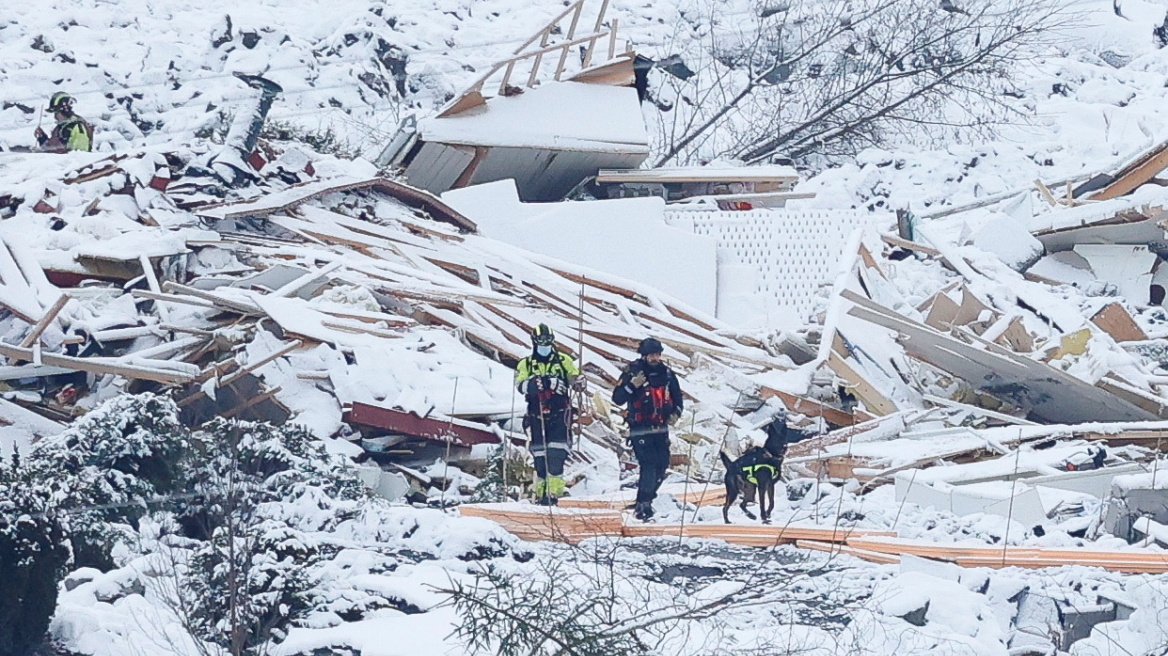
(557, 385)
(531, 385)
(580, 384)
(40, 135)
(674, 418)
(638, 380)
(539, 382)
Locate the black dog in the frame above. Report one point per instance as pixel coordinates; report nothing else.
(758, 469)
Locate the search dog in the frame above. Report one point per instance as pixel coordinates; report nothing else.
(756, 471)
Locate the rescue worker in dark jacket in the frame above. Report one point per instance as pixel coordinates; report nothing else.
(545, 378)
(71, 132)
(653, 394)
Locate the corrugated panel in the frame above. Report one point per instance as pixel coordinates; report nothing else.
(437, 166)
(547, 175)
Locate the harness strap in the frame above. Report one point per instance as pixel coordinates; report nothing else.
(750, 471)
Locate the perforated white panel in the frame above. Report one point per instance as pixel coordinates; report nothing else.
(783, 255)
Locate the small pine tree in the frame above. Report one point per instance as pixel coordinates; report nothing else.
(246, 582)
(492, 486)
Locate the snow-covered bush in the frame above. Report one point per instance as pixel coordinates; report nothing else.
(107, 467)
(33, 553)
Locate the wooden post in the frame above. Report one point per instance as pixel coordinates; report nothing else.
(612, 40)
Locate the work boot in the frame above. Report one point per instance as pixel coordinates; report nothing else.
(546, 500)
(643, 511)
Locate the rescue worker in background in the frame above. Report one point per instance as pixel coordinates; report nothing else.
(71, 132)
(545, 378)
(653, 394)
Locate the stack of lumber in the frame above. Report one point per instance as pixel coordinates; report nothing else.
(535, 523)
(1129, 561)
(698, 494)
(837, 548)
(572, 524)
(750, 535)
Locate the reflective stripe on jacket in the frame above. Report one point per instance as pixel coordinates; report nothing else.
(558, 365)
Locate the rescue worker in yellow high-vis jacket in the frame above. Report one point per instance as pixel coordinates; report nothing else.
(71, 132)
(545, 378)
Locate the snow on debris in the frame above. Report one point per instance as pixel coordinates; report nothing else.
(981, 381)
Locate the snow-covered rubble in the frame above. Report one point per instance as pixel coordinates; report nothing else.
(958, 377)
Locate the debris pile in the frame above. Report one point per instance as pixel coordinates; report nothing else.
(323, 293)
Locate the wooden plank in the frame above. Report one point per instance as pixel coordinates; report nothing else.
(893, 424)
(294, 286)
(874, 401)
(841, 468)
(174, 298)
(1048, 392)
(253, 401)
(836, 548)
(971, 556)
(439, 429)
(1114, 320)
(231, 305)
(43, 324)
(100, 365)
(547, 523)
(756, 533)
(1135, 396)
(808, 407)
(361, 328)
(899, 242)
(252, 366)
(299, 194)
(1135, 174)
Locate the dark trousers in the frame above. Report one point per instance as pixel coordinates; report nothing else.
(652, 452)
(550, 453)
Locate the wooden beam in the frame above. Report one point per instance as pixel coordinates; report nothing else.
(255, 400)
(100, 365)
(899, 242)
(173, 298)
(459, 432)
(836, 548)
(232, 305)
(874, 400)
(43, 324)
(808, 407)
(252, 366)
(307, 279)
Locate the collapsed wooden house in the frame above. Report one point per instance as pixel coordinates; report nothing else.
(548, 128)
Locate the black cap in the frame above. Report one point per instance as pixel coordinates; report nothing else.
(649, 345)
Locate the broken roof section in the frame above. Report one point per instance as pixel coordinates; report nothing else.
(546, 129)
